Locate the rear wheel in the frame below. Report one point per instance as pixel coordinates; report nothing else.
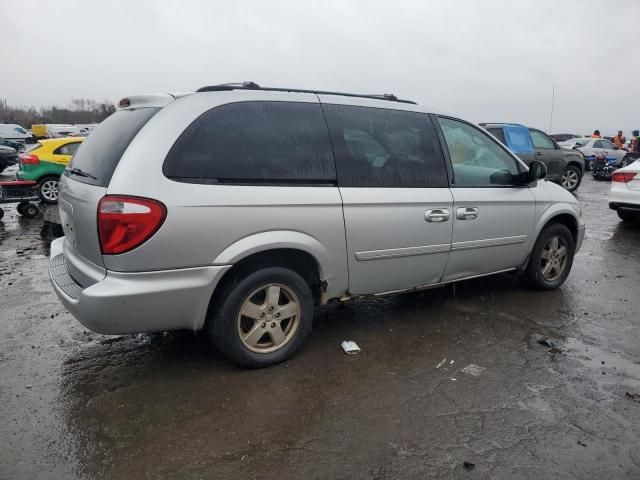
(48, 190)
(262, 318)
(552, 257)
(627, 216)
(571, 178)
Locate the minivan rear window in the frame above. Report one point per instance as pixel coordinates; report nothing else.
(99, 154)
(255, 143)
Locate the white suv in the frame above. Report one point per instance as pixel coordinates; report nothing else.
(238, 208)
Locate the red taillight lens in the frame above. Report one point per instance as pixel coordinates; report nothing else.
(623, 177)
(29, 159)
(125, 223)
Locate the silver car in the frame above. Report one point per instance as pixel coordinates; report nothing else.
(237, 209)
(593, 147)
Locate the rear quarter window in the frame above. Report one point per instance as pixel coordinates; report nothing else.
(100, 153)
(256, 143)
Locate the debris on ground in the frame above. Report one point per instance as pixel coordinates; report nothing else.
(633, 396)
(444, 360)
(469, 465)
(547, 342)
(350, 347)
(582, 444)
(473, 369)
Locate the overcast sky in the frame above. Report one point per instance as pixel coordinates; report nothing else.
(485, 60)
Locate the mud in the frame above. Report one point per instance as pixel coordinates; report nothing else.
(78, 405)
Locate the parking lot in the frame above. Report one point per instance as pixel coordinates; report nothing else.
(517, 383)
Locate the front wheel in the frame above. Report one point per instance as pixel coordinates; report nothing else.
(552, 257)
(48, 190)
(571, 178)
(263, 318)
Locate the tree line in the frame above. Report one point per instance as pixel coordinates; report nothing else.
(79, 110)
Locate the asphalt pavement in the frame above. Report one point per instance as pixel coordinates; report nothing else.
(484, 379)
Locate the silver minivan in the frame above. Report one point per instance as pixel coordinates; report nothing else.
(237, 209)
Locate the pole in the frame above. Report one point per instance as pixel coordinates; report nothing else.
(553, 99)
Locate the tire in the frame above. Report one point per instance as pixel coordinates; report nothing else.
(20, 206)
(273, 341)
(626, 216)
(571, 178)
(1, 213)
(29, 210)
(555, 276)
(48, 190)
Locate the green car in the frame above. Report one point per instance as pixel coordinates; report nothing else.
(45, 161)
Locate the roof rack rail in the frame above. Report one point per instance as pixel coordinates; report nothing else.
(254, 86)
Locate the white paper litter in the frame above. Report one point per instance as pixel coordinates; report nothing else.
(444, 360)
(473, 369)
(350, 347)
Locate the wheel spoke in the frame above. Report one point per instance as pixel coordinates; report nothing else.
(545, 255)
(254, 335)
(251, 310)
(291, 309)
(273, 295)
(554, 244)
(562, 252)
(547, 269)
(277, 334)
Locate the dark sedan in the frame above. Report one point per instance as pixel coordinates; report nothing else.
(8, 156)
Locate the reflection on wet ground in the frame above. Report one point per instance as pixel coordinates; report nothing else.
(80, 405)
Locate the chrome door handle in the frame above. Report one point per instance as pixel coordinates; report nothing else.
(467, 213)
(437, 215)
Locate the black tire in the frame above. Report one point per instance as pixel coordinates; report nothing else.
(224, 316)
(1, 213)
(571, 178)
(45, 192)
(29, 210)
(626, 216)
(20, 206)
(534, 272)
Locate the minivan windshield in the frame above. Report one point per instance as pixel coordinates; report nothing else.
(99, 155)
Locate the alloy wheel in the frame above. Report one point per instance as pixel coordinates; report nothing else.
(49, 190)
(269, 318)
(553, 260)
(569, 179)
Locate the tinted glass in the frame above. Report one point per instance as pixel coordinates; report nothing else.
(540, 140)
(100, 153)
(607, 144)
(581, 142)
(477, 160)
(598, 144)
(377, 147)
(256, 142)
(68, 149)
(498, 133)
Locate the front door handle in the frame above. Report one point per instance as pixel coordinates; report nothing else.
(538, 154)
(467, 213)
(437, 215)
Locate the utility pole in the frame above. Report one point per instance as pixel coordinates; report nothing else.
(553, 99)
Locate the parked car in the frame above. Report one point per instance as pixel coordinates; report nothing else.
(563, 167)
(563, 137)
(236, 209)
(14, 132)
(18, 146)
(594, 147)
(624, 196)
(45, 161)
(8, 157)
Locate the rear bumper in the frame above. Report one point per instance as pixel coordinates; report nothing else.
(123, 303)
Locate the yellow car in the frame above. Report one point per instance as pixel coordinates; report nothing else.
(45, 161)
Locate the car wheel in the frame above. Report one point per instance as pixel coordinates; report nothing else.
(262, 318)
(571, 178)
(1, 213)
(48, 190)
(20, 206)
(627, 216)
(552, 257)
(29, 210)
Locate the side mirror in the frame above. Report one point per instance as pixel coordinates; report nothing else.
(537, 171)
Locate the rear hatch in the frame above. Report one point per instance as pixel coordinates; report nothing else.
(85, 182)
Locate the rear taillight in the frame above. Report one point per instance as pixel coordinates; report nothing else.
(623, 177)
(125, 223)
(29, 159)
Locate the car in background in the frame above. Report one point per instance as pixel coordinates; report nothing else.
(14, 132)
(8, 157)
(45, 161)
(591, 148)
(19, 146)
(563, 166)
(563, 137)
(624, 196)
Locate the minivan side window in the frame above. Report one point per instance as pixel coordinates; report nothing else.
(376, 147)
(477, 160)
(540, 140)
(254, 142)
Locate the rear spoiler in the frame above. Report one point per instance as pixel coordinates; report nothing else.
(150, 100)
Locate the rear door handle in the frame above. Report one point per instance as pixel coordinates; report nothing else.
(437, 215)
(467, 213)
(538, 154)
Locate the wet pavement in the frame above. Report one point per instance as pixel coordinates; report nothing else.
(78, 405)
